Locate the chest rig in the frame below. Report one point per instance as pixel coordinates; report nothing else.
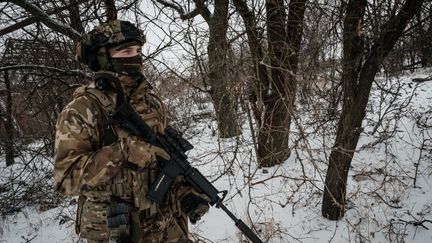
(151, 110)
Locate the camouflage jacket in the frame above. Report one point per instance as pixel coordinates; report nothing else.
(83, 166)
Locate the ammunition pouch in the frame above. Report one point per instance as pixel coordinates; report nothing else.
(129, 188)
(118, 220)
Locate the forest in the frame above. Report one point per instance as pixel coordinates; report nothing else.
(315, 116)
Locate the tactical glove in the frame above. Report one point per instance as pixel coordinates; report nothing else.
(141, 153)
(195, 206)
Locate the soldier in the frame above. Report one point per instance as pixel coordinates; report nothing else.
(108, 168)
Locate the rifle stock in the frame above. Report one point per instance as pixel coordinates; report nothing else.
(172, 142)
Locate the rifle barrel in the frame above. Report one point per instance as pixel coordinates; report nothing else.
(240, 224)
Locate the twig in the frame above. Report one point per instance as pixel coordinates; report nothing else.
(28, 240)
(388, 204)
(417, 223)
(421, 80)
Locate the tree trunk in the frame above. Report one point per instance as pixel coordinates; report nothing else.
(111, 11)
(357, 79)
(222, 87)
(222, 91)
(9, 148)
(284, 44)
(426, 47)
(74, 16)
(260, 85)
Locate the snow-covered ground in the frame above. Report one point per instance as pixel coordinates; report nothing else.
(388, 199)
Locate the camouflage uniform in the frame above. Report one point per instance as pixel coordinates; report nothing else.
(98, 173)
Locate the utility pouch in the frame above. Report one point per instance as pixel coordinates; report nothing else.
(118, 220)
(93, 221)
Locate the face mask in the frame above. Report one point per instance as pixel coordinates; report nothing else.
(130, 65)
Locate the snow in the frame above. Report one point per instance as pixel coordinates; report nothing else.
(31, 225)
(284, 202)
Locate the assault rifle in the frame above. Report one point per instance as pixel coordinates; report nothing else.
(172, 142)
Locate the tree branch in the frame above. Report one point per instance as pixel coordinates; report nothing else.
(385, 42)
(417, 223)
(200, 9)
(205, 13)
(43, 67)
(175, 6)
(44, 18)
(191, 15)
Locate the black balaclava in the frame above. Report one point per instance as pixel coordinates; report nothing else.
(131, 66)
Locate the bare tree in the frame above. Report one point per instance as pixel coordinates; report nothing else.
(275, 83)
(8, 122)
(224, 99)
(218, 51)
(359, 69)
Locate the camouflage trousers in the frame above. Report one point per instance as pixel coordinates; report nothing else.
(156, 229)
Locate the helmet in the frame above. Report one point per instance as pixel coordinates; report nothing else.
(108, 34)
